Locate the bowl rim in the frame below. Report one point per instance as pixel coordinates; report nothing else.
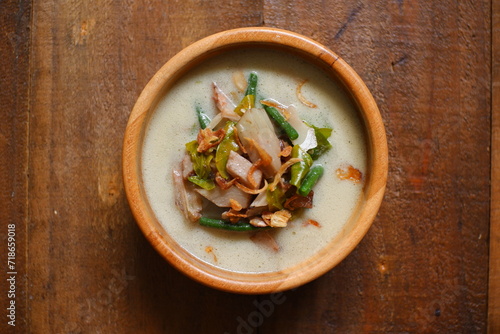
(325, 259)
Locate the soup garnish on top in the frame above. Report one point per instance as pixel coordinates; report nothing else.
(254, 163)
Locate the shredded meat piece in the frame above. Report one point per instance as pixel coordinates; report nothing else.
(223, 183)
(257, 222)
(251, 172)
(277, 219)
(266, 216)
(251, 191)
(233, 215)
(302, 98)
(238, 141)
(297, 201)
(210, 250)
(280, 218)
(286, 151)
(350, 173)
(281, 171)
(208, 138)
(311, 222)
(235, 205)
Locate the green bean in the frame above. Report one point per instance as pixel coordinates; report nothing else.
(278, 118)
(310, 180)
(248, 100)
(241, 226)
(203, 119)
(252, 84)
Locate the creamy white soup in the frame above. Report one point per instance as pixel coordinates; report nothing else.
(174, 123)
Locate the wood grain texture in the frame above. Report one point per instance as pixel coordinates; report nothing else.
(94, 271)
(494, 282)
(423, 266)
(14, 89)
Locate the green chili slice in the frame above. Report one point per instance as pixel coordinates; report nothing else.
(310, 180)
(203, 119)
(201, 161)
(225, 147)
(203, 183)
(299, 169)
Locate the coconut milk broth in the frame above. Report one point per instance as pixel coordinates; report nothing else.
(174, 123)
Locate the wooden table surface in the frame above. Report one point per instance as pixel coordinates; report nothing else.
(70, 74)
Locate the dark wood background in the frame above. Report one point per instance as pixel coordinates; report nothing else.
(70, 74)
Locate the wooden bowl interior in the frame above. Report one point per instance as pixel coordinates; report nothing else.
(355, 228)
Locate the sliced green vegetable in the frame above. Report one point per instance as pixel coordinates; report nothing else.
(326, 132)
(203, 119)
(322, 135)
(225, 147)
(207, 184)
(276, 198)
(241, 226)
(201, 161)
(282, 122)
(310, 180)
(299, 169)
(252, 84)
(248, 100)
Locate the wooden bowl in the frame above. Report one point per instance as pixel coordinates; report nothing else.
(338, 248)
